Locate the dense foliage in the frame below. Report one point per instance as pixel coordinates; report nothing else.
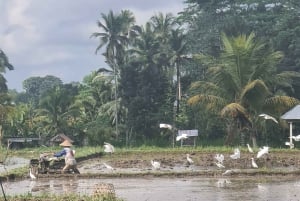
(214, 67)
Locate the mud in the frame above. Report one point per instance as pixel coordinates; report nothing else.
(177, 162)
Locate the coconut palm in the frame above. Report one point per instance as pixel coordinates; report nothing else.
(57, 111)
(114, 35)
(4, 64)
(241, 84)
(178, 45)
(162, 25)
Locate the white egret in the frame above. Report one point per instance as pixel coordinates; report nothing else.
(189, 159)
(253, 163)
(227, 172)
(237, 154)
(220, 165)
(108, 166)
(296, 138)
(291, 145)
(168, 126)
(262, 151)
(181, 137)
(249, 148)
(266, 116)
(32, 176)
(108, 148)
(155, 164)
(219, 158)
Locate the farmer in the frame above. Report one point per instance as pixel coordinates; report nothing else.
(70, 162)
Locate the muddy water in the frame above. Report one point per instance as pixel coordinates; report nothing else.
(12, 163)
(169, 189)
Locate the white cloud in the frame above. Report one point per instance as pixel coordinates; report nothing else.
(142, 16)
(52, 37)
(45, 57)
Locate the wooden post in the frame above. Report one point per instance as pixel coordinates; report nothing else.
(291, 135)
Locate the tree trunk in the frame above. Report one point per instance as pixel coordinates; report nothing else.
(230, 134)
(253, 138)
(1, 136)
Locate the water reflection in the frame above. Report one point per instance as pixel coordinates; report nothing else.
(136, 189)
(221, 183)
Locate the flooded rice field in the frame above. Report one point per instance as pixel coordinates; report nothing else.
(169, 189)
(12, 163)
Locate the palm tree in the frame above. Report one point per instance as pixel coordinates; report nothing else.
(241, 85)
(57, 111)
(162, 25)
(4, 64)
(114, 35)
(178, 45)
(6, 108)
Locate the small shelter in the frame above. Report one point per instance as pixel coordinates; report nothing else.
(291, 116)
(59, 138)
(21, 142)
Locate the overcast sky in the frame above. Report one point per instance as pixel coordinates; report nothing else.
(52, 37)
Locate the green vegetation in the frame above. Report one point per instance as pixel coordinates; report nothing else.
(54, 197)
(214, 67)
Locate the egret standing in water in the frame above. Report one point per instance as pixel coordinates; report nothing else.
(108, 166)
(249, 148)
(253, 163)
(155, 164)
(228, 172)
(108, 148)
(291, 145)
(219, 158)
(236, 154)
(264, 150)
(220, 165)
(189, 159)
(32, 176)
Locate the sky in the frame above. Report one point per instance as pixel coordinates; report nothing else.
(52, 37)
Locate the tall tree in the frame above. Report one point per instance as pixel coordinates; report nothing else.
(6, 107)
(114, 35)
(4, 64)
(35, 87)
(273, 21)
(56, 111)
(242, 83)
(145, 83)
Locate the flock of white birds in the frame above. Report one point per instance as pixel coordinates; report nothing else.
(108, 148)
(237, 154)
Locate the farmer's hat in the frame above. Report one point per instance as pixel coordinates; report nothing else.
(65, 143)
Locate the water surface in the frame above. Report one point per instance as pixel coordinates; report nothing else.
(169, 189)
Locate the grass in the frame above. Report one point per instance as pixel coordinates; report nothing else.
(65, 197)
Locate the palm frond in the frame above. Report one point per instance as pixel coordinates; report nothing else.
(286, 79)
(279, 104)
(224, 79)
(208, 101)
(233, 110)
(254, 93)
